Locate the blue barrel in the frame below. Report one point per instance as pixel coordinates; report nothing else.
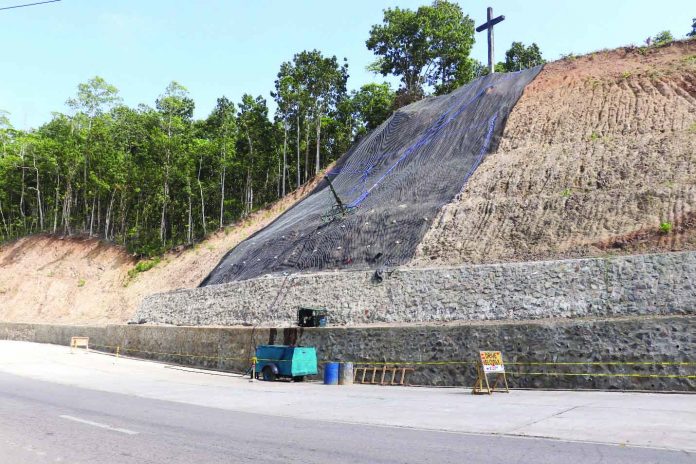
(331, 374)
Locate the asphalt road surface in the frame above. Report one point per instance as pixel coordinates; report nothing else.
(42, 422)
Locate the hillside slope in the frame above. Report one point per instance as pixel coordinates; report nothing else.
(599, 152)
(86, 281)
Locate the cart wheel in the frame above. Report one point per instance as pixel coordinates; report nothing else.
(268, 374)
(298, 378)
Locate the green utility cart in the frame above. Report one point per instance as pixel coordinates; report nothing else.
(292, 362)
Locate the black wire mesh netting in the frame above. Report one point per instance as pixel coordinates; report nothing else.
(391, 185)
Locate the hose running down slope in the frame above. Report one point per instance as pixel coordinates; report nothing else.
(394, 181)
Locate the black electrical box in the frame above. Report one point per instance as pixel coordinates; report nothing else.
(312, 317)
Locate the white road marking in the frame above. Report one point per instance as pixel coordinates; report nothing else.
(100, 425)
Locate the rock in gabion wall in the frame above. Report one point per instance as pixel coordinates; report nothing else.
(629, 285)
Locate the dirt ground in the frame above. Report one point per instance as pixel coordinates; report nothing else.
(598, 153)
(77, 280)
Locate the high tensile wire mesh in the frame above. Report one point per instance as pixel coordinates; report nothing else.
(391, 185)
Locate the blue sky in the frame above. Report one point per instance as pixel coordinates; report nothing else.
(217, 47)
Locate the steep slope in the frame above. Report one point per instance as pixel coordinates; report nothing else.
(393, 182)
(85, 281)
(599, 152)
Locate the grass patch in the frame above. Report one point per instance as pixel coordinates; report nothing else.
(143, 266)
(594, 136)
(566, 193)
(81, 283)
(666, 227)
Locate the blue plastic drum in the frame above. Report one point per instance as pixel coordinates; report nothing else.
(331, 374)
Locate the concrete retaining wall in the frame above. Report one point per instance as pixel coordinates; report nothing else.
(622, 286)
(635, 339)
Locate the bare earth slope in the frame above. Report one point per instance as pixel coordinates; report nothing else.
(85, 281)
(597, 154)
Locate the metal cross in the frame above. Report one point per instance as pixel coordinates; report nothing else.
(489, 25)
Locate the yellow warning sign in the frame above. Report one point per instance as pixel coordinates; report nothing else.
(492, 362)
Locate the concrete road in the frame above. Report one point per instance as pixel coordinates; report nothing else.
(42, 422)
(58, 404)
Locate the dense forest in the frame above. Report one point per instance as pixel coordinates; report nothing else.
(153, 177)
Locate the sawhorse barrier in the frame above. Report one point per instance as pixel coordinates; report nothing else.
(79, 342)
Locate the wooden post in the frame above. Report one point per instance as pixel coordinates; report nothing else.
(491, 51)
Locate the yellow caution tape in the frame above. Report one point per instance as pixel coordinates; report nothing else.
(602, 363)
(123, 349)
(585, 374)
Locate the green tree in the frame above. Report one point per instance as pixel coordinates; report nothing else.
(176, 110)
(373, 104)
(93, 98)
(324, 80)
(663, 38)
(693, 29)
(519, 57)
(222, 124)
(255, 133)
(430, 46)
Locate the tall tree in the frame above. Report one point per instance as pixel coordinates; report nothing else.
(325, 82)
(693, 29)
(223, 125)
(255, 135)
(429, 46)
(93, 98)
(176, 109)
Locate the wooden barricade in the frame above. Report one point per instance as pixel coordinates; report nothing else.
(490, 362)
(382, 374)
(79, 342)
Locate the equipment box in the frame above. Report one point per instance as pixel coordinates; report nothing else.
(312, 317)
(293, 362)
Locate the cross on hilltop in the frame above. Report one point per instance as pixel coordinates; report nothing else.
(488, 25)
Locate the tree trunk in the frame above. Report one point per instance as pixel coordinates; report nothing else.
(107, 219)
(285, 155)
(190, 212)
(298, 148)
(200, 187)
(67, 203)
(249, 201)
(4, 223)
(91, 216)
(166, 183)
(280, 167)
(317, 167)
(222, 183)
(21, 197)
(306, 154)
(55, 207)
(38, 196)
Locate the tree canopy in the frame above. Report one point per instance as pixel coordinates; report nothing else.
(429, 46)
(519, 57)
